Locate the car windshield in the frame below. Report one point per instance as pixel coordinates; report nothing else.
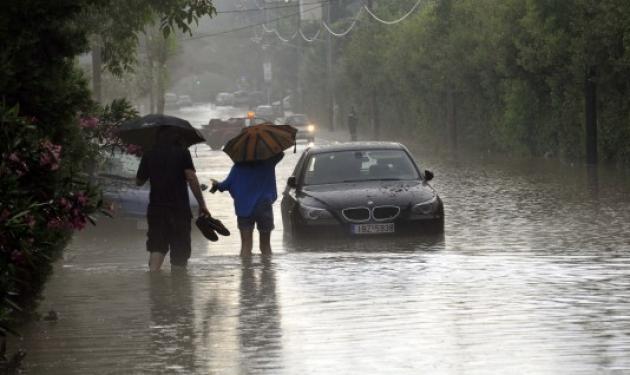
(353, 166)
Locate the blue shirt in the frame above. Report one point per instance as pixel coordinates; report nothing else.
(250, 183)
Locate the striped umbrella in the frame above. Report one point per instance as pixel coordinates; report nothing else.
(260, 142)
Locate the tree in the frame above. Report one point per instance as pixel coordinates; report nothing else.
(116, 25)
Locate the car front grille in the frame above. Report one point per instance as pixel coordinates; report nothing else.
(356, 214)
(381, 213)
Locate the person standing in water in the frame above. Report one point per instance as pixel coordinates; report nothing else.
(252, 185)
(169, 169)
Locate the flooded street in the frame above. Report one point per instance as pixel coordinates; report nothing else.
(532, 276)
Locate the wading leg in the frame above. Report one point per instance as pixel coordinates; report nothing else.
(265, 243)
(247, 239)
(155, 261)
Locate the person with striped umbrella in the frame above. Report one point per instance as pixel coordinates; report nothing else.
(252, 180)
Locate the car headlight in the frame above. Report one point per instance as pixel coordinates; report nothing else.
(314, 213)
(310, 128)
(427, 207)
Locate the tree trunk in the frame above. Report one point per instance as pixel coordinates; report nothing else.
(151, 82)
(160, 89)
(97, 62)
(590, 95)
(161, 76)
(451, 121)
(376, 118)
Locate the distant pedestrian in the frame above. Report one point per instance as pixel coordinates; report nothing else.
(252, 185)
(169, 169)
(352, 124)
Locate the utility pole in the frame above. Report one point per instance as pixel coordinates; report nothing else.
(376, 121)
(297, 99)
(330, 84)
(451, 121)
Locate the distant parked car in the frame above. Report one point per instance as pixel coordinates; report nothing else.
(266, 112)
(117, 179)
(224, 99)
(360, 188)
(241, 99)
(306, 129)
(184, 101)
(257, 98)
(171, 101)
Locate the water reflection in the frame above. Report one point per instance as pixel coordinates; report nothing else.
(259, 328)
(368, 244)
(171, 327)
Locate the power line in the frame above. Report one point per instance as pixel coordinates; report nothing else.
(257, 9)
(201, 36)
(299, 32)
(394, 21)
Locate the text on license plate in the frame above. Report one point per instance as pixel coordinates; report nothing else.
(373, 228)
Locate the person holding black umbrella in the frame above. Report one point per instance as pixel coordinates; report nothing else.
(169, 168)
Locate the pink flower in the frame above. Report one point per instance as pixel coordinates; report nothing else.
(14, 157)
(78, 222)
(56, 224)
(88, 122)
(134, 150)
(30, 221)
(64, 203)
(50, 155)
(82, 198)
(17, 257)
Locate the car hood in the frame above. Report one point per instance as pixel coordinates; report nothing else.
(339, 196)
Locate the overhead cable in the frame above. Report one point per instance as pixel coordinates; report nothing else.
(313, 38)
(259, 8)
(344, 33)
(395, 21)
(208, 35)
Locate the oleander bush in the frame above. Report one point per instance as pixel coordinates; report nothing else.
(44, 198)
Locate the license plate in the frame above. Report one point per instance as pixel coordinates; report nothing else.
(373, 228)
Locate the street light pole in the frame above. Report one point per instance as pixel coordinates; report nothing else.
(329, 60)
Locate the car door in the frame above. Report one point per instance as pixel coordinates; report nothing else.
(289, 195)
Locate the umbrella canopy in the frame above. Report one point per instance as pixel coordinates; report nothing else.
(143, 131)
(260, 142)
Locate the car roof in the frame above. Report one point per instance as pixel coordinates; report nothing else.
(355, 146)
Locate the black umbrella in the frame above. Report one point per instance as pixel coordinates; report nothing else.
(143, 131)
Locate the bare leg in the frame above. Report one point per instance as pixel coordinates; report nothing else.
(265, 243)
(155, 261)
(247, 242)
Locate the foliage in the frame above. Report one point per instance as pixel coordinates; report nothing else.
(517, 69)
(43, 200)
(117, 24)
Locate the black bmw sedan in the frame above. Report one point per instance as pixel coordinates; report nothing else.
(360, 188)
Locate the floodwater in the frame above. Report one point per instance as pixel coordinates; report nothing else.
(532, 276)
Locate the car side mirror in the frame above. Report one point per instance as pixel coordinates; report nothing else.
(428, 175)
(291, 182)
